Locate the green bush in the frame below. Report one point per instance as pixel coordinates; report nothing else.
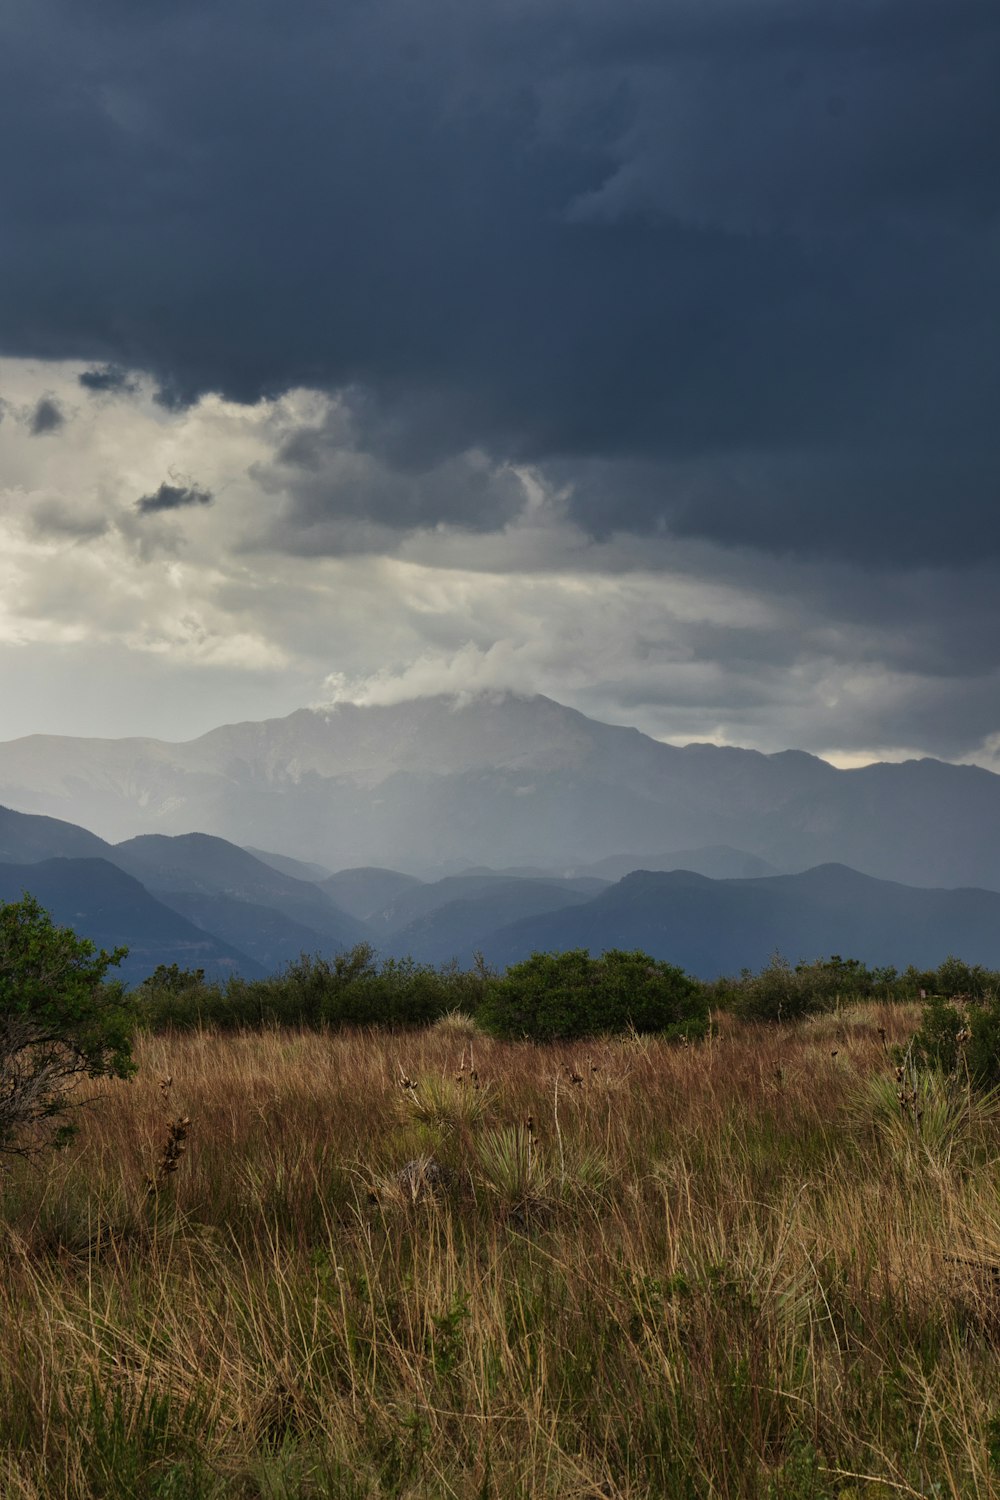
(551, 996)
(961, 1037)
(178, 997)
(951, 978)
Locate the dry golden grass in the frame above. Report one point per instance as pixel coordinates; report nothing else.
(635, 1270)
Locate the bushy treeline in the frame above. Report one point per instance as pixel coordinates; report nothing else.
(548, 996)
(356, 988)
(781, 991)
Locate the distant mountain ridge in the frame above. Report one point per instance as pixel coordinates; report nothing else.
(104, 904)
(502, 781)
(717, 927)
(251, 918)
(201, 902)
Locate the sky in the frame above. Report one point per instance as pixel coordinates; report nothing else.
(641, 353)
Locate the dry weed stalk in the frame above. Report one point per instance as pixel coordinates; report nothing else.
(174, 1145)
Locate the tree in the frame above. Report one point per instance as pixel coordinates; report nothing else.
(60, 1022)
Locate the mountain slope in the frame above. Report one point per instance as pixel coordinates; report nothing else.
(475, 908)
(271, 938)
(718, 862)
(365, 893)
(25, 838)
(201, 866)
(102, 903)
(501, 780)
(298, 868)
(713, 927)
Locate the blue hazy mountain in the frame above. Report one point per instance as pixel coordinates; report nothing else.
(103, 903)
(270, 937)
(199, 865)
(251, 918)
(718, 862)
(25, 839)
(202, 902)
(301, 869)
(366, 893)
(713, 927)
(452, 917)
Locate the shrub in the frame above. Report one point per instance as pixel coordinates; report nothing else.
(173, 996)
(961, 1035)
(551, 996)
(59, 1023)
(780, 992)
(951, 978)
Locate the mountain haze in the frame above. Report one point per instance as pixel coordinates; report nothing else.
(203, 866)
(201, 902)
(501, 780)
(193, 900)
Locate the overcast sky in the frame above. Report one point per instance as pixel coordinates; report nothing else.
(643, 353)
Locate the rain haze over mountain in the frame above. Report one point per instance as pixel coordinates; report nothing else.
(511, 783)
(638, 355)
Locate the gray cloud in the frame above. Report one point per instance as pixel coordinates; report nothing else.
(59, 518)
(173, 497)
(46, 417)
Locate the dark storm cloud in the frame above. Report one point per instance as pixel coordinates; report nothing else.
(108, 379)
(46, 416)
(733, 264)
(330, 476)
(173, 497)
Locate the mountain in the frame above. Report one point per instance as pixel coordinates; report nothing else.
(300, 869)
(713, 927)
(419, 902)
(25, 839)
(367, 892)
(269, 937)
(250, 918)
(452, 918)
(102, 903)
(202, 902)
(502, 780)
(200, 866)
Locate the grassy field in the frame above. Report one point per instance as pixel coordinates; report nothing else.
(429, 1264)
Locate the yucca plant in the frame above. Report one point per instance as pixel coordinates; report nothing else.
(589, 1173)
(938, 1116)
(461, 1102)
(511, 1167)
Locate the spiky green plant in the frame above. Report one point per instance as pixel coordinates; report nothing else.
(448, 1102)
